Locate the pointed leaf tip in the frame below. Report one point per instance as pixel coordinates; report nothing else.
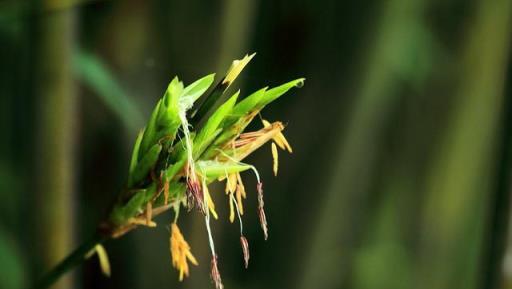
(274, 93)
(198, 87)
(236, 67)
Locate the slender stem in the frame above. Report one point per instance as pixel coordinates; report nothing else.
(72, 260)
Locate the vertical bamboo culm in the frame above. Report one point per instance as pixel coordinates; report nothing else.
(55, 135)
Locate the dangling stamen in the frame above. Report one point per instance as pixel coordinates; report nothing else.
(215, 274)
(261, 211)
(259, 188)
(240, 193)
(275, 158)
(238, 214)
(195, 196)
(230, 187)
(208, 229)
(231, 208)
(230, 183)
(245, 250)
(241, 185)
(243, 240)
(210, 204)
(239, 198)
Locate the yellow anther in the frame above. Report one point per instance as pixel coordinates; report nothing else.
(180, 252)
(231, 210)
(241, 185)
(239, 199)
(231, 183)
(211, 204)
(275, 159)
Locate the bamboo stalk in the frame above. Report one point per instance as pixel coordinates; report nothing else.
(55, 139)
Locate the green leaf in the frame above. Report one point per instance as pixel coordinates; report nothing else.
(229, 133)
(121, 213)
(175, 168)
(135, 152)
(272, 94)
(169, 109)
(150, 131)
(145, 165)
(192, 92)
(204, 137)
(246, 105)
(179, 148)
(97, 76)
(215, 169)
(197, 88)
(244, 112)
(168, 115)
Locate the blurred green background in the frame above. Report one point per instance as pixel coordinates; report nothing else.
(402, 136)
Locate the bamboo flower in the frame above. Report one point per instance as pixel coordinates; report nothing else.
(184, 147)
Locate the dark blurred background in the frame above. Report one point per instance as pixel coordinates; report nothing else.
(400, 176)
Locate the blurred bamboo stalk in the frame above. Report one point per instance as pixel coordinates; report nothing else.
(460, 179)
(235, 31)
(55, 136)
(496, 258)
(328, 262)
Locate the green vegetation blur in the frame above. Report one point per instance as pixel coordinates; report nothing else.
(402, 137)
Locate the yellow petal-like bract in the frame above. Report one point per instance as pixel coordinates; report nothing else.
(236, 68)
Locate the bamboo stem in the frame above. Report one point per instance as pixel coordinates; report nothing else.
(55, 152)
(71, 261)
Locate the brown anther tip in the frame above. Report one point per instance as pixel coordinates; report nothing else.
(261, 211)
(195, 196)
(215, 274)
(245, 250)
(259, 187)
(263, 222)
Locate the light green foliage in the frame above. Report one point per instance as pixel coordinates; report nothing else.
(135, 154)
(149, 131)
(197, 88)
(274, 93)
(204, 138)
(145, 165)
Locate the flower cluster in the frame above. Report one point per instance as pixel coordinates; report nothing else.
(186, 146)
